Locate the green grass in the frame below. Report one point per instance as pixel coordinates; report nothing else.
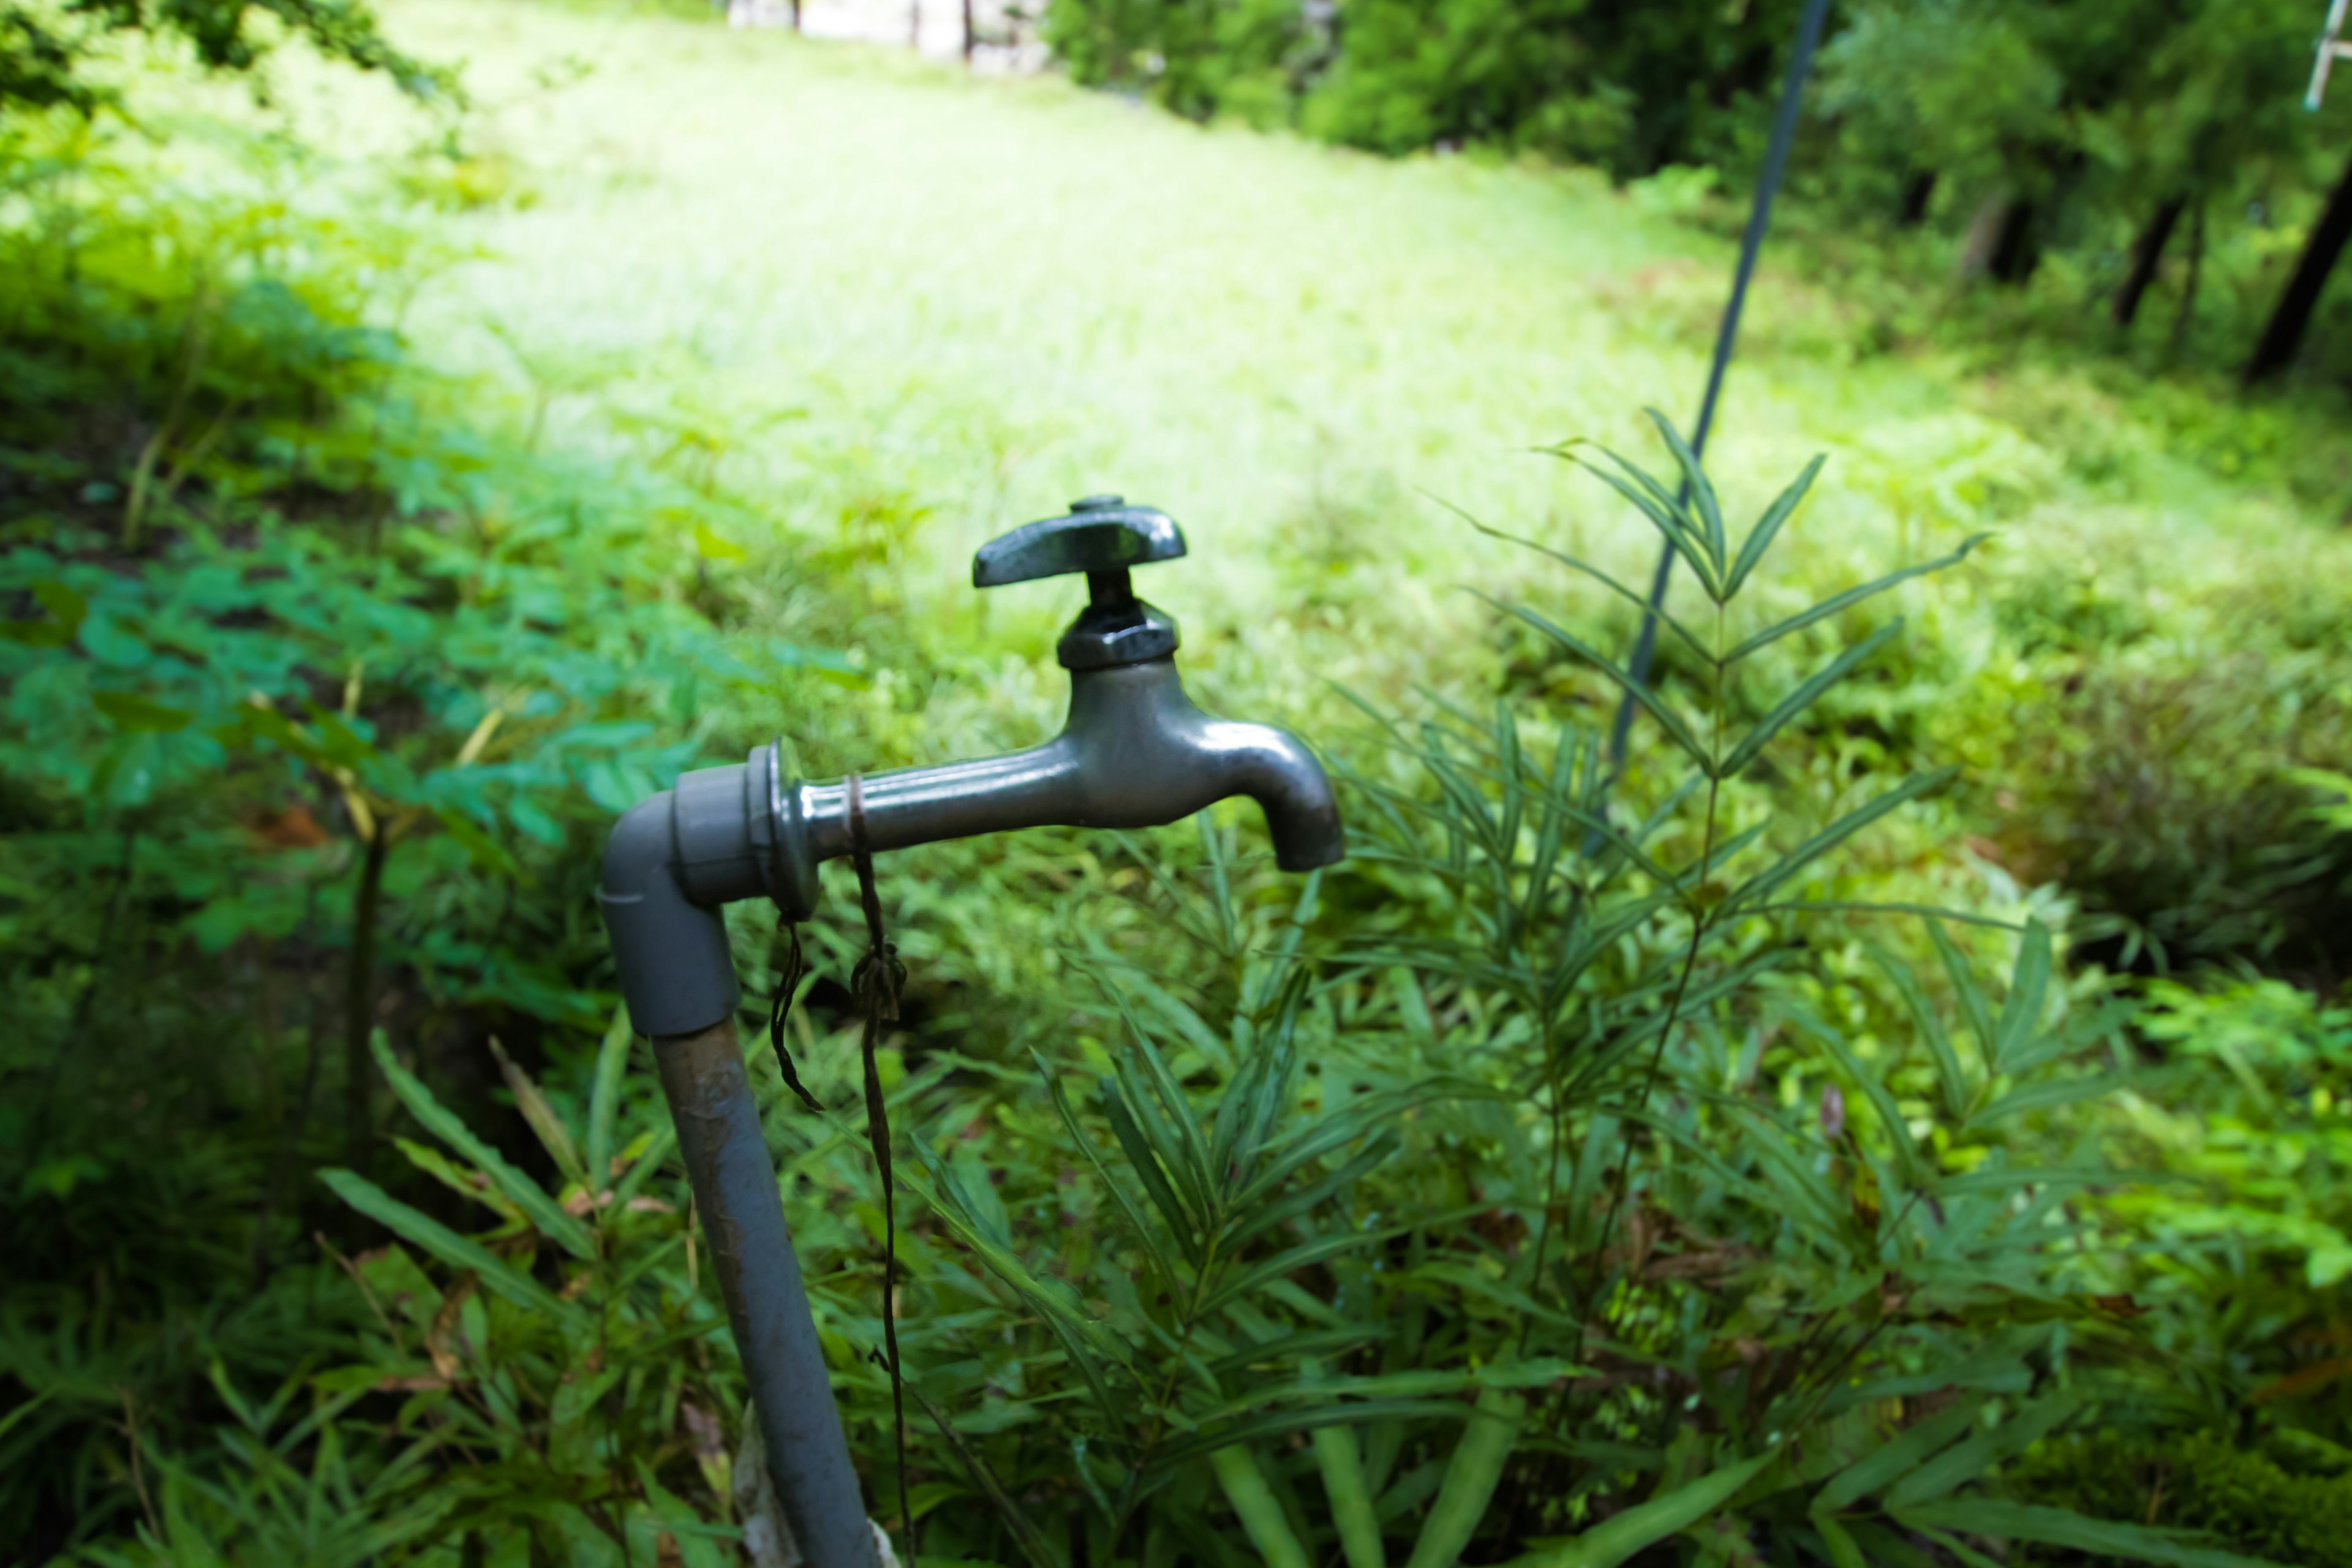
(890, 311)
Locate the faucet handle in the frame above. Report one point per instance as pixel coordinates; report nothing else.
(1101, 534)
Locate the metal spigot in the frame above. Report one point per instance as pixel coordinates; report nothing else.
(1133, 753)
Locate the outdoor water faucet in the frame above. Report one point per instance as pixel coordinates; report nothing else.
(1134, 753)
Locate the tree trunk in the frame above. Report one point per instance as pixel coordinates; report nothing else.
(2187, 313)
(359, 999)
(969, 41)
(1919, 191)
(2148, 251)
(1999, 245)
(796, 16)
(2284, 336)
(2016, 251)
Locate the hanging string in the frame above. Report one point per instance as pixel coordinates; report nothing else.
(780, 1005)
(876, 983)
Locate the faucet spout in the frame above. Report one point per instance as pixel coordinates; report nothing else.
(1135, 752)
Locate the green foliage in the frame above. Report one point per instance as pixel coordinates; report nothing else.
(2203, 1483)
(2250, 1239)
(47, 48)
(306, 682)
(1632, 89)
(2160, 790)
(1593, 1169)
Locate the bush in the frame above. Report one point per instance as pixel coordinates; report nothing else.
(2240, 1499)
(318, 701)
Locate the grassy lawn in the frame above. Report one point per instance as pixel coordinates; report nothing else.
(890, 311)
(789, 327)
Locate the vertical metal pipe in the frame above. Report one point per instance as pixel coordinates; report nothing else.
(1751, 243)
(759, 1278)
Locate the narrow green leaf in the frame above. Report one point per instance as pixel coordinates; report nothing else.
(553, 1135)
(2028, 985)
(1897, 1457)
(1305, 1200)
(1339, 1128)
(1257, 1101)
(1262, 1516)
(1471, 1475)
(1038, 1547)
(1759, 538)
(1882, 1103)
(2061, 1527)
(1143, 1230)
(459, 1179)
(1175, 1134)
(1340, 1459)
(1964, 1462)
(1837, 833)
(1289, 1348)
(23, 1412)
(1140, 1158)
(1676, 730)
(1281, 1423)
(1845, 1552)
(2007, 1178)
(605, 1099)
(545, 1214)
(1423, 1383)
(2041, 1097)
(1805, 1185)
(1640, 600)
(1804, 696)
(1883, 907)
(1959, 1093)
(1702, 491)
(1852, 597)
(1883, 1546)
(695, 1549)
(1083, 1338)
(1241, 1286)
(647, 1165)
(1645, 495)
(457, 1251)
(1974, 1008)
(1606, 1545)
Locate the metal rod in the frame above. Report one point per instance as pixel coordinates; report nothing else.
(1760, 218)
(752, 1252)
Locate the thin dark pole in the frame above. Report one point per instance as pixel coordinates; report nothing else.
(1760, 218)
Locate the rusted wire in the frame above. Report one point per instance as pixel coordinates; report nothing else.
(780, 1006)
(876, 983)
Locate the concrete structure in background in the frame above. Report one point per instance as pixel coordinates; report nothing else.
(1005, 39)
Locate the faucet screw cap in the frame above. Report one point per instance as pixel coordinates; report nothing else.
(1101, 534)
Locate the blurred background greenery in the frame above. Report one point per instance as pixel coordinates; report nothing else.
(423, 434)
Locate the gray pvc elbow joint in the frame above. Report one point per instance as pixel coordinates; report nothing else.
(673, 860)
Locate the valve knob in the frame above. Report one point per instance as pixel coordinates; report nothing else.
(1101, 533)
(1102, 537)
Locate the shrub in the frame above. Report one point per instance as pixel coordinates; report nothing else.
(2239, 1498)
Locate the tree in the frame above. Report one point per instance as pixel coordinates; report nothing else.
(44, 51)
(2284, 334)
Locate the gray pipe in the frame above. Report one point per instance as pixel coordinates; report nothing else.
(760, 1280)
(1134, 753)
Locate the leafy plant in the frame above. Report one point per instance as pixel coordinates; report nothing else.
(1826, 1342)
